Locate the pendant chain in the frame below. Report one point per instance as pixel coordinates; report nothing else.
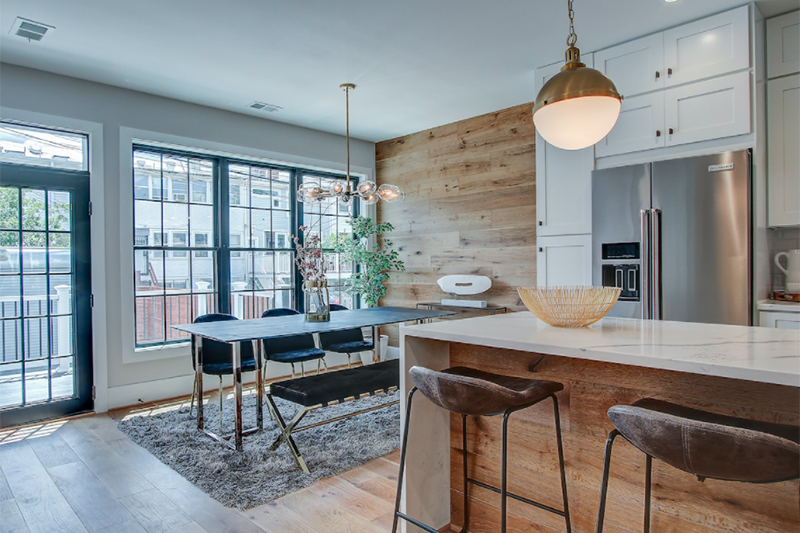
(572, 38)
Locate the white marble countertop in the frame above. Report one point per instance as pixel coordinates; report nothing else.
(775, 305)
(751, 353)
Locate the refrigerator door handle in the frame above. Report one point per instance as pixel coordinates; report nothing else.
(645, 255)
(655, 263)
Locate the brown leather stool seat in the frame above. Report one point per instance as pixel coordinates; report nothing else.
(472, 392)
(705, 444)
(468, 391)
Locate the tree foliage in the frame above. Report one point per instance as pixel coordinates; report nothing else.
(375, 259)
(33, 217)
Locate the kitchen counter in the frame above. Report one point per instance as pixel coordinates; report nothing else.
(782, 307)
(742, 371)
(741, 352)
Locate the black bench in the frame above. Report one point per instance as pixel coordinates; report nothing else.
(313, 392)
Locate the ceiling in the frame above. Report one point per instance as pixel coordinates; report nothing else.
(417, 63)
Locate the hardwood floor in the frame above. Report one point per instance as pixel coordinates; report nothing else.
(85, 475)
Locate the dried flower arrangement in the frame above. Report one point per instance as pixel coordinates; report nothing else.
(310, 259)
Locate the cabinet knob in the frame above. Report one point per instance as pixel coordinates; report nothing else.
(669, 72)
(671, 131)
(541, 249)
(658, 74)
(540, 223)
(658, 133)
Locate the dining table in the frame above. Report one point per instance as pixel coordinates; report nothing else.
(257, 330)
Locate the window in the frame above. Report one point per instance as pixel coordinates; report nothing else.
(331, 220)
(42, 147)
(238, 259)
(177, 286)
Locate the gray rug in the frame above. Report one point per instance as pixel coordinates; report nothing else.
(258, 475)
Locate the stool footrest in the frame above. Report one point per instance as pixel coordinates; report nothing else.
(518, 497)
(417, 523)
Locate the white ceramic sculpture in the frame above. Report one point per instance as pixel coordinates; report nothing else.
(463, 284)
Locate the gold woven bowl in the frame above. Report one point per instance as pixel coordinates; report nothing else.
(569, 307)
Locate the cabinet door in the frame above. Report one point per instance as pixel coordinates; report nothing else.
(770, 319)
(709, 109)
(564, 260)
(640, 126)
(783, 150)
(563, 180)
(707, 48)
(635, 67)
(783, 45)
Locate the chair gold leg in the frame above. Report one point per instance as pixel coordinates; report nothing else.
(292, 370)
(194, 391)
(220, 405)
(325, 364)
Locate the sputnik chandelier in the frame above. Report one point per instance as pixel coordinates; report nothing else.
(367, 190)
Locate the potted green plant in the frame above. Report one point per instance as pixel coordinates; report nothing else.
(375, 259)
(375, 256)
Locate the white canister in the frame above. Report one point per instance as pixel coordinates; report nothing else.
(792, 270)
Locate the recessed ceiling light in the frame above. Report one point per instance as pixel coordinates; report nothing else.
(670, 1)
(261, 106)
(29, 29)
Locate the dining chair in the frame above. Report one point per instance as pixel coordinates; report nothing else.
(348, 341)
(294, 349)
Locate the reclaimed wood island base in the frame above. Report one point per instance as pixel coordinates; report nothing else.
(706, 369)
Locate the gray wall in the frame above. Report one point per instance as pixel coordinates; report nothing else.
(42, 92)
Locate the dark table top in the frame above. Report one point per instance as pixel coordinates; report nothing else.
(286, 326)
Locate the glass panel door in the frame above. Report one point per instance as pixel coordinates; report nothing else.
(45, 308)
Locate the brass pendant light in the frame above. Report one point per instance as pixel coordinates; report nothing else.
(367, 191)
(578, 106)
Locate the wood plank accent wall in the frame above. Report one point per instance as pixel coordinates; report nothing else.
(680, 502)
(470, 206)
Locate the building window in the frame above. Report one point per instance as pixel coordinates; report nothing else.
(193, 256)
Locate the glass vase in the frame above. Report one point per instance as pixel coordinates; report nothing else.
(317, 300)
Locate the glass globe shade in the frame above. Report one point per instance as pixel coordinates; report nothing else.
(576, 123)
(337, 188)
(366, 187)
(390, 193)
(370, 199)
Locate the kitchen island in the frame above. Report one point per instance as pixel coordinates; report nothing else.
(740, 371)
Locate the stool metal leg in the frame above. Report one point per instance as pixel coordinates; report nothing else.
(402, 460)
(466, 478)
(601, 510)
(647, 492)
(504, 474)
(194, 391)
(561, 464)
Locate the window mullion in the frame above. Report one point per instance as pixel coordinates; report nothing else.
(222, 226)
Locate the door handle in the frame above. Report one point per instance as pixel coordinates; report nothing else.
(645, 255)
(655, 254)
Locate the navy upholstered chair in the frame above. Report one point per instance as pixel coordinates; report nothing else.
(294, 349)
(349, 341)
(217, 359)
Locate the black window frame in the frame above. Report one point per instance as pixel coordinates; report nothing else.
(219, 200)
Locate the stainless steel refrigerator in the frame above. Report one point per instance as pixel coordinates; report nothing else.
(675, 236)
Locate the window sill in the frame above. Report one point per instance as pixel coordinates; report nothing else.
(155, 353)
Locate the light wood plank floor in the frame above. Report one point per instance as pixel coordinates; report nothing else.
(83, 475)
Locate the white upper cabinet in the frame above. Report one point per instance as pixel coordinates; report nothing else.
(783, 45)
(709, 109)
(640, 126)
(635, 67)
(707, 48)
(783, 150)
(563, 179)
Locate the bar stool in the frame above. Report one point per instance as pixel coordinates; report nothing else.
(472, 392)
(705, 444)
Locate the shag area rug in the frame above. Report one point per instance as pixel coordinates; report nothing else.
(257, 475)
